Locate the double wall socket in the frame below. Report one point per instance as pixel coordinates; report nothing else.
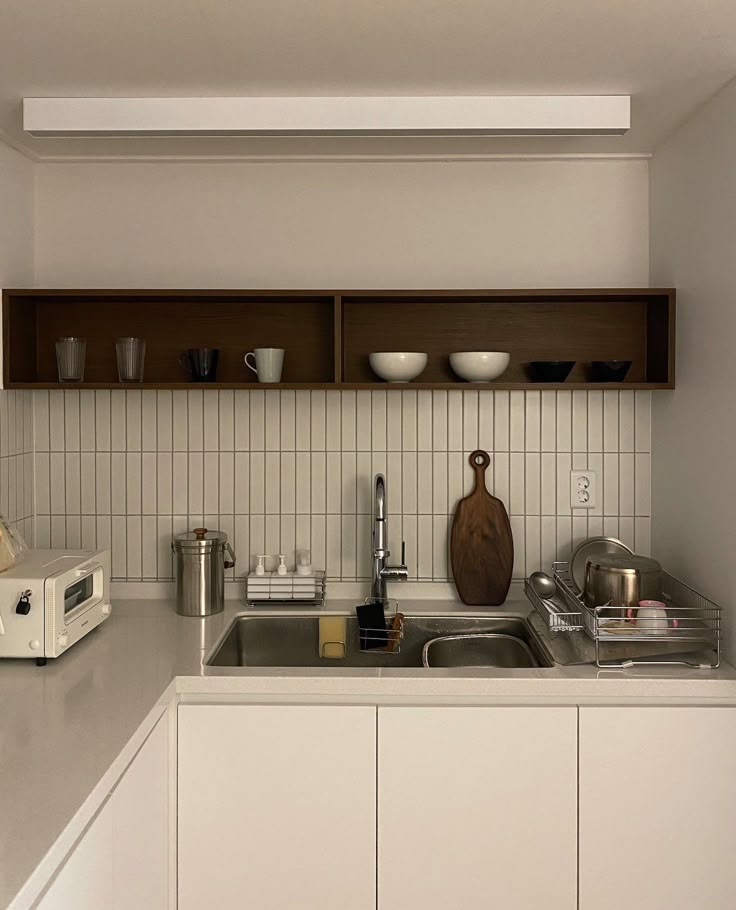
(582, 489)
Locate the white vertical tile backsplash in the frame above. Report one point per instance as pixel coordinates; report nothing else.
(610, 421)
(424, 421)
(493, 422)
(533, 429)
(285, 470)
(564, 422)
(102, 420)
(548, 421)
(17, 467)
(517, 429)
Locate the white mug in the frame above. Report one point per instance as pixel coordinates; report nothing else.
(267, 363)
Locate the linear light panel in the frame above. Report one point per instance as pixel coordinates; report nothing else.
(489, 115)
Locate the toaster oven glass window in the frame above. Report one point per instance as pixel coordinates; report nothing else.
(78, 592)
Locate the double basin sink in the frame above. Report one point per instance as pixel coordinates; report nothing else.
(503, 641)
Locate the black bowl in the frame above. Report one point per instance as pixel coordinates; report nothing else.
(550, 370)
(609, 370)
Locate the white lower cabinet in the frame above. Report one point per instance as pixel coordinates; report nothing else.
(121, 861)
(277, 807)
(85, 880)
(657, 808)
(477, 808)
(141, 833)
(356, 808)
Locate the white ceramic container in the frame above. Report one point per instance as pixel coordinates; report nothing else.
(479, 366)
(397, 366)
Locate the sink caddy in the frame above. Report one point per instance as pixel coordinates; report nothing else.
(285, 590)
(387, 640)
(698, 620)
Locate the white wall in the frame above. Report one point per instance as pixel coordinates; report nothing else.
(693, 208)
(16, 268)
(16, 218)
(350, 224)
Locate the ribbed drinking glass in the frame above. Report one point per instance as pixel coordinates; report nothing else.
(131, 353)
(70, 354)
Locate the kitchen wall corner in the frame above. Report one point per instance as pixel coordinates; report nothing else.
(16, 460)
(693, 226)
(17, 206)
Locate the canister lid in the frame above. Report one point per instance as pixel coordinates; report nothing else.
(200, 539)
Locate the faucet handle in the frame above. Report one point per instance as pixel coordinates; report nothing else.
(397, 573)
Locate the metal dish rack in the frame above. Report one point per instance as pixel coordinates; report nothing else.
(384, 641)
(692, 620)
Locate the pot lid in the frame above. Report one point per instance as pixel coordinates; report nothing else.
(200, 539)
(626, 565)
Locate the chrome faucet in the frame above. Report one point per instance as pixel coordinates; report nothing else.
(381, 571)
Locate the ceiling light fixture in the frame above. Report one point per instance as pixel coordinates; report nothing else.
(461, 115)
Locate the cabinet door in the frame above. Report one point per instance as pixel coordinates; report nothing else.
(477, 808)
(657, 808)
(277, 807)
(122, 860)
(85, 880)
(140, 810)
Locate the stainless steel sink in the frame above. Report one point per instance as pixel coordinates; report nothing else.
(478, 649)
(293, 641)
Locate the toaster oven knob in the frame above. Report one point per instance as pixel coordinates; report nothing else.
(24, 604)
(62, 639)
(34, 645)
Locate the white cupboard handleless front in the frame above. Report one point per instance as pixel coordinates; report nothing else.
(277, 807)
(477, 808)
(121, 862)
(140, 810)
(85, 882)
(657, 808)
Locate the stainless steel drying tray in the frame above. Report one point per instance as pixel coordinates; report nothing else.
(698, 625)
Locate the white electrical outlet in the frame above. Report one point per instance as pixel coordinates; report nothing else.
(582, 489)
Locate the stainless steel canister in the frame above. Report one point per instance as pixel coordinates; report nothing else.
(201, 558)
(621, 581)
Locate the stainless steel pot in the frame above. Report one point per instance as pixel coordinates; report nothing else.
(201, 560)
(621, 581)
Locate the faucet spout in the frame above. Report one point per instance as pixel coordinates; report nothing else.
(379, 505)
(381, 570)
(380, 521)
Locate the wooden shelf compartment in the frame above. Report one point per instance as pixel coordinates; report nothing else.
(583, 326)
(170, 322)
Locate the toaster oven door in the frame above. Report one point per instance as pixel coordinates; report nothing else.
(81, 593)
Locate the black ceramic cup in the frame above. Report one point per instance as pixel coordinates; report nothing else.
(549, 370)
(201, 363)
(609, 370)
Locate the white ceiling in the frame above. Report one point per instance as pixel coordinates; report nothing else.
(670, 55)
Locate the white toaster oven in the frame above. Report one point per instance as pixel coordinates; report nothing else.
(51, 599)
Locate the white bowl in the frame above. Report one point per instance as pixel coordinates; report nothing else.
(479, 366)
(397, 366)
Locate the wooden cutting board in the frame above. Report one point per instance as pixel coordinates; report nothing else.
(481, 545)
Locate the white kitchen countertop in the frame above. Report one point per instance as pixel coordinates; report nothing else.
(67, 730)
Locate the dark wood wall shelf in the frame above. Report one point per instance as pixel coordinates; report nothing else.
(329, 334)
